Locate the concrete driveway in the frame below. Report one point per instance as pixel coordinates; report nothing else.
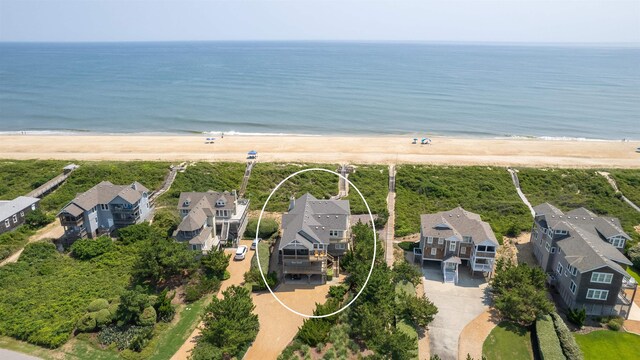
(12, 355)
(458, 304)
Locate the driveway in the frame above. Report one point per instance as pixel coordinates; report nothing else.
(12, 355)
(278, 325)
(457, 304)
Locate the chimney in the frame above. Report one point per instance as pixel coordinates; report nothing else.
(292, 203)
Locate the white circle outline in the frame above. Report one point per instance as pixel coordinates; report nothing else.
(375, 241)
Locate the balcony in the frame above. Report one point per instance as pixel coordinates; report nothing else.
(484, 254)
(71, 221)
(482, 267)
(119, 209)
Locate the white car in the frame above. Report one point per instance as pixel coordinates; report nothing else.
(241, 252)
(255, 242)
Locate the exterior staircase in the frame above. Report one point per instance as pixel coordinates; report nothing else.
(449, 276)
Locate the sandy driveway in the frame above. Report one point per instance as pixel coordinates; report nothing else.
(278, 325)
(237, 270)
(458, 305)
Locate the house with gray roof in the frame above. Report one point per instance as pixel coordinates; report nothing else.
(456, 237)
(315, 235)
(211, 219)
(583, 255)
(103, 209)
(13, 212)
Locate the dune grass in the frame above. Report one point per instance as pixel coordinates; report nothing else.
(508, 341)
(373, 183)
(19, 177)
(483, 190)
(623, 346)
(628, 182)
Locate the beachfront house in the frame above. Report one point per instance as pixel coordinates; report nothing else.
(13, 212)
(456, 237)
(315, 234)
(583, 255)
(103, 209)
(211, 219)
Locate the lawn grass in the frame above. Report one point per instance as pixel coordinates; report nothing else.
(609, 345)
(265, 177)
(628, 182)
(404, 325)
(204, 176)
(373, 183)
(508, 341)
(483, 190)
(634, 272)
(19, 177)
(568, 189)
(149, 173)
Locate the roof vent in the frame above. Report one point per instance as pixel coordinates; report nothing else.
(591, 218)
(450, 215)
(584, 218)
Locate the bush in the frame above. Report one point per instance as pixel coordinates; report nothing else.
(268, 227)
(87, 323)
(200, 285)
(403, 271)
(338, 291)
(253, 276)
(548, 343)
(577, 316)
(37, 219)
(148, 317)
(314, 331)
(131, 337)
(163, 306)
(166, 221)
(12, 241)
(97, 305)
(38, 252)
(215, 263)
(615, 323)
(568, 343)
(634, 255)
(103, 317)
(85, 249)
(139, 232)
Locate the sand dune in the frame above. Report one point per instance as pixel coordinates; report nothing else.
(326, 149)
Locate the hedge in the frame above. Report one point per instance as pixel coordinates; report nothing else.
(567, 341)
(548, 343)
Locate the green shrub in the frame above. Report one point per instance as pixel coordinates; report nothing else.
(97, 305)
(338, 291)
(615, 323)
(577, 316)
(215, 263)
(103, 318)
(314, 331)
(568, 343)
(403, 271)
(87, 323)
(634, 254)
(548, 343)
(166, 221)
(85, 249)
(131, 337)
(253, 276)
(113, 309)
(268, 227)
(200, 285)
(148, 317)
(38, 252)
(12, 241)
(163, 306)
(37, 219)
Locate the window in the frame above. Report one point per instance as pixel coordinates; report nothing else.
(429, 240)
(334, 233)
(440, 241)
(559, 269)
(466, 238)
(481, 248)
(597, 294)
(452, 246)
(553, 250)
(15, 219)
(463, 250)
(602, 278)
(547, 246)
(340, 246)
(318, 246)
(21, 213)
(220, 202)
(572, 287)
(104, 206)
(574, 271)
(617, 242)
(433, 251)
(7, 223)
(491, 248)
(185, 211)
(561, 232)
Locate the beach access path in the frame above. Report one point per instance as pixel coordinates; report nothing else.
(327, 149)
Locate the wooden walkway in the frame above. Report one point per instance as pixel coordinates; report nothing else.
(168, 181)
(516, 183)
(51, 185)
(245, 178)
(612, 181)
(389, 231)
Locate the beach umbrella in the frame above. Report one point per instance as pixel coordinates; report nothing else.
(252, 152)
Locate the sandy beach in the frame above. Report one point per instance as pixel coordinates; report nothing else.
(326, 149)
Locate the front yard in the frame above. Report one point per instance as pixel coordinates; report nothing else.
(619, 345)
(508, 341)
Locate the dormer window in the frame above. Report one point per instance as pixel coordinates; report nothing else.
(221, 202)
(187, 202)
(466, 238)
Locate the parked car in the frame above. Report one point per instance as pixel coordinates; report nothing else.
(255, 242)
(241, 252)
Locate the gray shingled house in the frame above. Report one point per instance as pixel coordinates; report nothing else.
(582, 253)
(13, 212)
(315, 234)
(103, 209)
(456, 237)
(211, 218)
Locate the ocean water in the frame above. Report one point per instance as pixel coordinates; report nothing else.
(321, 88)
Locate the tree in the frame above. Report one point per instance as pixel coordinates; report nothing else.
(419, 310)
(403, 271)
(577, 316)
(166, 221)
(229, 323)
(398, 345)
(163, 306)
(132, 305)
(519, 292)
(161, 259)
(215, 263)
(85, 249)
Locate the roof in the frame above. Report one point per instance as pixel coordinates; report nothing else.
(12, 207)
(188, 200)
(585, 247)
(455, 224)
(309, 220)
(104, 193)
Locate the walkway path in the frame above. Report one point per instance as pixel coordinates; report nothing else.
(54, 183)
(615, 187)
(168, 181)
(389, 231)
(474, 334)
(245, 178)
(424, 352)
(12, 355)
(516, 183)
(237, 270)
(51, 231)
